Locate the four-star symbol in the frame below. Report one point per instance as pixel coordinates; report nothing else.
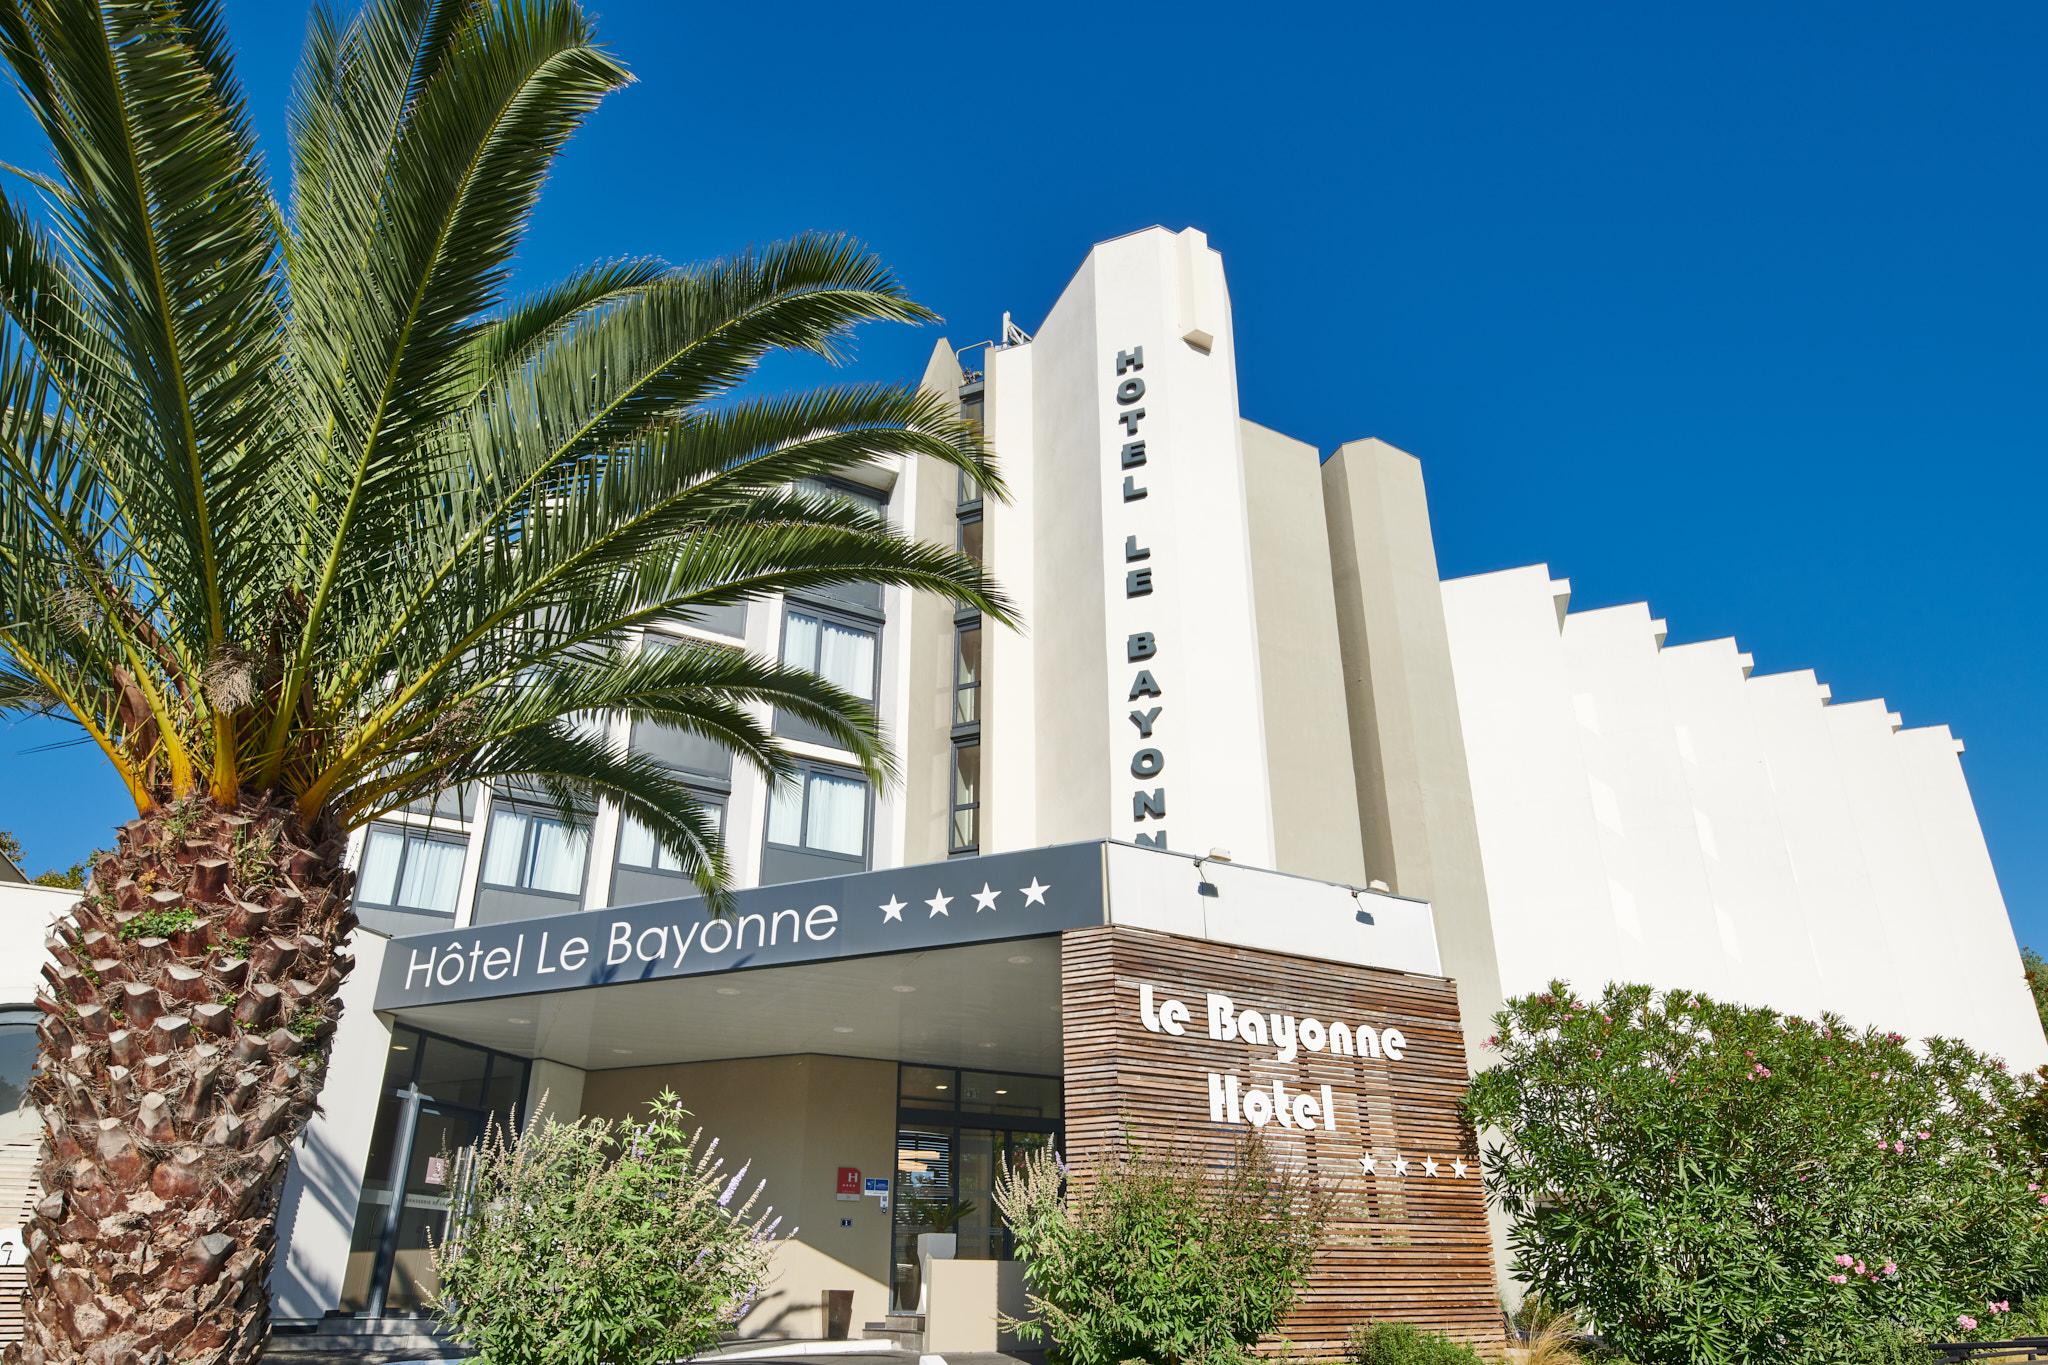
(1034, 894)
(985, 899)
(892, 909)
(942, 904)
(939, 904)
(1460, 1168)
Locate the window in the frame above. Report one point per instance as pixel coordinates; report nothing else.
(967, 675)
(639, 848)
(530, 850)
(410, 869)
(821, 811)
(17, 1055)
(966, 834)
(838, 651)
(970, 538)
(866, 499)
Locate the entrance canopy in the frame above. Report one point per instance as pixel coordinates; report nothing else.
(953, 963)
(987, 1006)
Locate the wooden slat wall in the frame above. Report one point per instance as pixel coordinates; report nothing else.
(20, 1142)
(1410, 1249)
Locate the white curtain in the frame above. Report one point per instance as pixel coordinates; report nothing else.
(379, 871)
(839, 811)
(433, 875)
(506, 843)
(786, 812)
(847, 657)
(558, 857)
(800, 641)
(639, 848)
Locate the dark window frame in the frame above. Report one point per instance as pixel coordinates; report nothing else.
(806, 770)
(954, 805)
(534, 810)
(706, 794)
(425, 834)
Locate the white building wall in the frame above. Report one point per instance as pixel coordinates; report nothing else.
(1656, 814)
(1179, 517)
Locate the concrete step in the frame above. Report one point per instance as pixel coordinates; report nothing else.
(904, 1331)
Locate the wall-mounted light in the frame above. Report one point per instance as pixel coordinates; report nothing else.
(1204, 886)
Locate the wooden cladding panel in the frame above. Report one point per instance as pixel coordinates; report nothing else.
(1400, 1249)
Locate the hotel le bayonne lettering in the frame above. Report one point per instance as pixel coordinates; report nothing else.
(1141, 647)
(1233, 1100)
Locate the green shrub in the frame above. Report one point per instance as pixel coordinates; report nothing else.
(1161, 1258)
(1396, 1343)
(600, 1243)
(1707, 1183)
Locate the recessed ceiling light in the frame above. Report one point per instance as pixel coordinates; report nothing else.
(841, 1028)
(401, 1047)
(904, 990)
(518, 1019)
(728, 990)
(988, 1044)
(1019, 959)
(1002, 1092)
(942, 1087)
(623, 1051)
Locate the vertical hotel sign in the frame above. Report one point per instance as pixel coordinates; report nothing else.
(1141, 647)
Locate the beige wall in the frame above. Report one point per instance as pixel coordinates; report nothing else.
(924, 734)
(1414, 793)
(1308, 736)
(798, 1119)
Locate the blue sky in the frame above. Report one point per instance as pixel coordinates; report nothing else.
(1737, 309)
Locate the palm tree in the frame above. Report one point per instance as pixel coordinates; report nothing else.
(302, 519)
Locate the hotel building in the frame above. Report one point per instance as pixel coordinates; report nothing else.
(1428, 796)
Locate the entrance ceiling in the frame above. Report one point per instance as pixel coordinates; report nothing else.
(989, 1006)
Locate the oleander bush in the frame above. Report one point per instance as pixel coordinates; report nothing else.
(1702, 1182)
(1161, 1257)
(601, 1243)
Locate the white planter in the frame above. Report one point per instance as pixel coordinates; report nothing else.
(932, 1246)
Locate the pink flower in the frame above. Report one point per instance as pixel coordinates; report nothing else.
(1899, 1147)
(1838, 1279)
(1924, 1135)
(1845, 1259)
(1861, 1269)
(2031, 1187)
(1966, 1322)
(2044, 1201)
(1493, 1040)
(1891, 1268)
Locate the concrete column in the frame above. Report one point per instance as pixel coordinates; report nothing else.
(1407, 745)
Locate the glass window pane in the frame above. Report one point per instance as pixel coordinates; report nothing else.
(405, 1051)
(433, 875)
(984, 1092)
(507, 1089)
(800, 640)
(966, 828)
(926, 1087)
(786, 812)
(967, 660)
(966, 774)
(452, 1073)
(838, 817)
(505, 846)
(558, 857)
(378, 876)
(17, 1058)
(639, 848)
(846, 656)
(970, 540)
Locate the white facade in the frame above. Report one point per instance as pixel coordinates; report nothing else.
(1229, 643)
(1657, 813)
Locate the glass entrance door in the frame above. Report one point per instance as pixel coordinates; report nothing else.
(439, 1131)
(957, 1132)
(438, 1096)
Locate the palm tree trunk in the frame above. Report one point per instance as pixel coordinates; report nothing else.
(191, 999)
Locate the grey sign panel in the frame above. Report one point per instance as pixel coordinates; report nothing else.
(908, 909)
